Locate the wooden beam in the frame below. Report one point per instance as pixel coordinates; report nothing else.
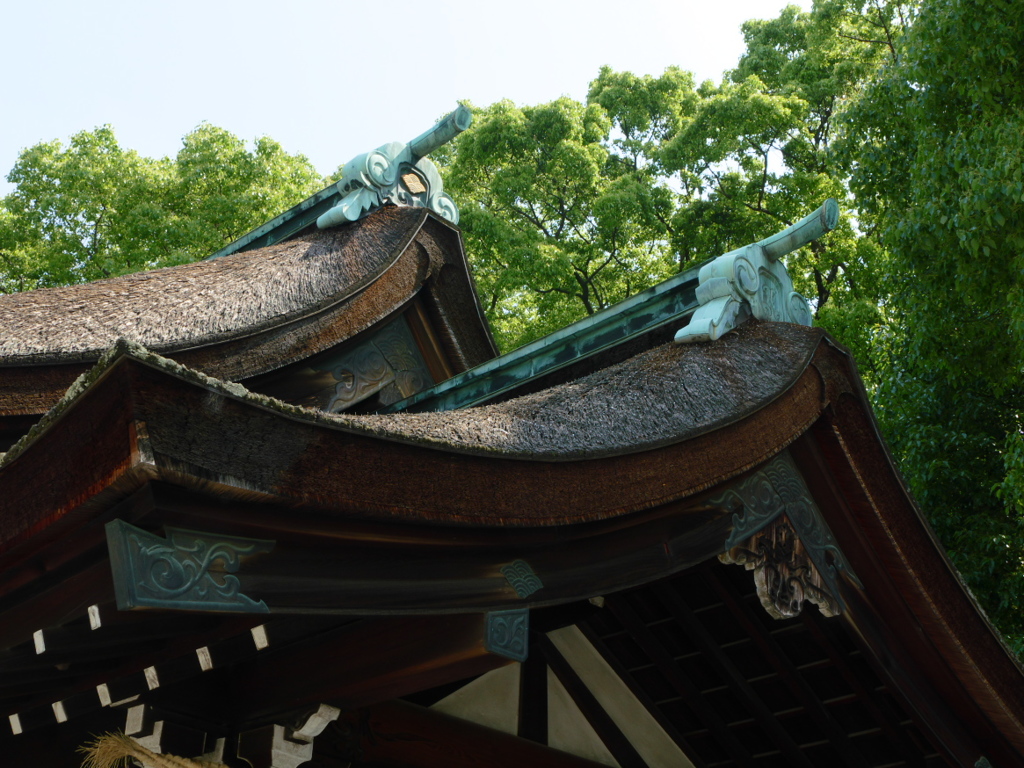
(360, 569)
(674, 676)
(54, 578)
(397, 733)
(889, 616)
(56, 745)
(62, 601)
(641, 695)
(533, 696)
(361, 663)
(787, 671)
(736, 680)
(172, 660)
(609, 733)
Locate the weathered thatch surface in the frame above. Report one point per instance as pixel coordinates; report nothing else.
(662, 396)
(658, 427)
(205, 302)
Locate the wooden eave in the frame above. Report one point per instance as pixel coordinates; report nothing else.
(947, 656)
(154, 439)
(144, 418)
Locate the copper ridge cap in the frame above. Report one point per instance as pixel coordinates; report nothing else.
(374, 165)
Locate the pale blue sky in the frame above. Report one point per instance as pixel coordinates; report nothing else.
(327, 79)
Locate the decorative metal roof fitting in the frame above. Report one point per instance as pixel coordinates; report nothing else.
(753, 281)
(400, 173)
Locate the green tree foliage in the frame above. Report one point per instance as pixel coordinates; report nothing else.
(936, 146)
(556, 228)
(757, 154)
(665, 175)
(92, 209)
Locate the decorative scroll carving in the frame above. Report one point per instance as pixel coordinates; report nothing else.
(803, 548)
(399, 173)
(388, 362)
(783, 571)
(187, 570)
(508, 633)
(522, 578)
(753, 281)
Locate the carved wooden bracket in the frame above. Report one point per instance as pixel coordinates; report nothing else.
(783, 571)
(779, 533)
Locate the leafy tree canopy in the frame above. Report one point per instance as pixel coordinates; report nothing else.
(556, 226)
(936, 149)
(92, 209)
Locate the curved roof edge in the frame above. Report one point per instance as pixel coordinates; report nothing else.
(204, 302)
(329, 294)
(551, 445)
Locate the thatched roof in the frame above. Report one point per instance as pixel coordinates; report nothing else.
(662, 396)
(634, 452)
(241, 316)
(204, 302)
(688, 396)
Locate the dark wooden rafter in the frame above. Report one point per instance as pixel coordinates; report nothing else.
(355, 568)
(436, 650)
(397, 733)
(787, 672)
(53, 579)
(55, 744)
(736, 680)
(675, 677)
(875, 704)
(173, 658)
(68, 644)
(641, 695)
(886, 618)
(609, 733)
(361, 663)
(533, 696)
(56, 604)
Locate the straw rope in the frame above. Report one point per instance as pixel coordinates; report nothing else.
(115, 750)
